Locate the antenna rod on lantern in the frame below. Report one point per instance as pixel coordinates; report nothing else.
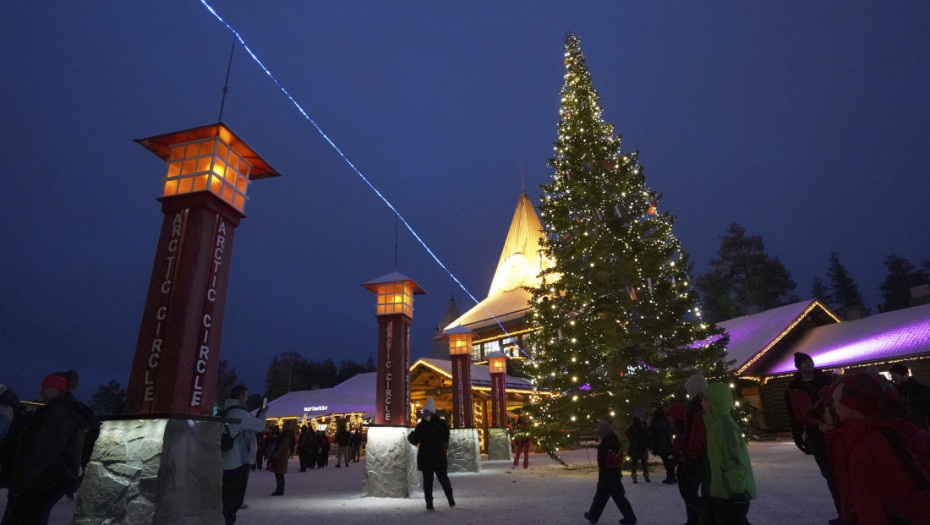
(395, 243)
(226, 85)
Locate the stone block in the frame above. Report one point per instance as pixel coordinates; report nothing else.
(499, 444)
(153, 471)
(464, 450)
(390, 464)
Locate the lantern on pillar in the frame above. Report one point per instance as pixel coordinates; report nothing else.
(394, 309)
(203, 199)
(497, 365)
(460, 352)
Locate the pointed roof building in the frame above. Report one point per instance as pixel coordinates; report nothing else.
(498, 320)
(439, 345)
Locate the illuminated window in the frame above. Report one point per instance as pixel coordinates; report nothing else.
(208, 165)
(395, 298)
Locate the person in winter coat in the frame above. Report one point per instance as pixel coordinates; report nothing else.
(277, 460)
(637, 433)
(609, 485)
(883, 469)
(801, 394)
(236, 459)
(729, 472)
(342, 438)
(660, 442)
(521, 441)
(431, 437)
(690, 450)
(322, 449)
(54, 450)
(914, 394)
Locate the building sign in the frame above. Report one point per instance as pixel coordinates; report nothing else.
(169, 262)
(205, 341)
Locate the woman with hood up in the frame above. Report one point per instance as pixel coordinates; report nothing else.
(609, 461)
(729, 477)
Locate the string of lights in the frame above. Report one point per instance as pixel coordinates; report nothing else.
(346, 159)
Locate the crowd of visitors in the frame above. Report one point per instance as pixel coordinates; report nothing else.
(869, 436)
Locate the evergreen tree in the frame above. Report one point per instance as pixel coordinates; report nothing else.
(844, 290)
(745, 279)
(896, 288)
(226, 379)
(616, 316)
(821, 292)
(108, 399)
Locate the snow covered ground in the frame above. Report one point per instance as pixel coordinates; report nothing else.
(790, 487)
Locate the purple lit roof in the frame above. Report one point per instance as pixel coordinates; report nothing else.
(752, 334)
(891, 335)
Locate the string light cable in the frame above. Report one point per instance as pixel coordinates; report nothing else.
(351, 165)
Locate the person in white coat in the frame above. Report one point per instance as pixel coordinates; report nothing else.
(236, 463)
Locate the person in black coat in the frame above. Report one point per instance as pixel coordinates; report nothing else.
(660, 442)
(916, 395)
(609, 461)
(432, 437)
(51, 461)
(637, 433)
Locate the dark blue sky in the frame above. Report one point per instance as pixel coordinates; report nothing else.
(806, 122)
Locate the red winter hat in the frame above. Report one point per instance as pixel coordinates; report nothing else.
(866, 393)
(56, 381)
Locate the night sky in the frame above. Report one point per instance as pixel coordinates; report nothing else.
(808, 123)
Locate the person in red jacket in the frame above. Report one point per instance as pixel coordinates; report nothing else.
(885, 461)
(688, 447)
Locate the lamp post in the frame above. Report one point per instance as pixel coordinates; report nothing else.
(394, 310)
(460, 353)
(497, 365)
(162, 461)
(390, 464)
(498, 433)
(203, 199)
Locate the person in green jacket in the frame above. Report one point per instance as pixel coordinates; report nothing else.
(729, 476)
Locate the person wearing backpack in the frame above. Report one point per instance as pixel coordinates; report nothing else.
(236, 457)
(51, 456)
(609, 462)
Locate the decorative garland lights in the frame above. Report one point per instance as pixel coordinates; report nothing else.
(616, 319)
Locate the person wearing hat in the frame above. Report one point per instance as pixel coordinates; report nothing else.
(51, 460)
(914, 394)
(431, 436)
(609, 485)
(802, 393)
(884, 465)
(731, 484)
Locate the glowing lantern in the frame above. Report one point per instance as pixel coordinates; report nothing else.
(497, 362)
(209, 158)
(394, 294)
(459, 340)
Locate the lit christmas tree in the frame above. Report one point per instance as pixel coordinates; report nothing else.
(617, 317)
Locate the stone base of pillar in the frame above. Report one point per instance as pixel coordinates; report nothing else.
(390, 464)
(499, 444)
(464, 450)
(154, 471)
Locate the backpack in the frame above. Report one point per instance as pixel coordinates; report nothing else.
(614, 460)
(11, 411)
(227, 440)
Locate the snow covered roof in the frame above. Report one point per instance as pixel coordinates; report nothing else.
(891, 335)
(502, 307)
(356, 394)
(752, 336)
(480, 375)
(520, 264)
